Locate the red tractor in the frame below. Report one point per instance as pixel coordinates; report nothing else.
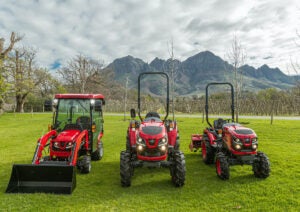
(73, 141)
(228, 143)
(152, 142)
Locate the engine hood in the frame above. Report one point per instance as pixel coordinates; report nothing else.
(240, 131)
(68, 135)
(152, 129)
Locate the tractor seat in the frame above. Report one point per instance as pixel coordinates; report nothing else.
(84, 122)
(218, 124)
(72, 127)
(152, 115)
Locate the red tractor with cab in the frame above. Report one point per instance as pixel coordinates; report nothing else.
(152, 142)
(73, 140)
(227, 143)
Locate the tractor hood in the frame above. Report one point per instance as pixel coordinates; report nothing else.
(68, 135)
(239, 131)
(152, 130)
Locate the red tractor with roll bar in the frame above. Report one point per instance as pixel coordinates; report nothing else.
(227, 143)
(73, 140)
(152, 142)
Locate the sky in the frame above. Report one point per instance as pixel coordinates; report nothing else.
(268, 30)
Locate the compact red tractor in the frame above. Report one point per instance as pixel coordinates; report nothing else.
(152, 142)
(73, 141)
(228, 143)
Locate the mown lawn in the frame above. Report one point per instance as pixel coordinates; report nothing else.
(152, 189)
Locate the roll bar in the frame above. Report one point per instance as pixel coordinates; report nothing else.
(139, 91)
(206, 99)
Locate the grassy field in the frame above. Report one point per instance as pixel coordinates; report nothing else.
(152, 189)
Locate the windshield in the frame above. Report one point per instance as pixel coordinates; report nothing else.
(72, 111)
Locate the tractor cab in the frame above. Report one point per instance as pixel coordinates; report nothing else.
(78, 112)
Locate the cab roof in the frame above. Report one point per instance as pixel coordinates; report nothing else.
(79, 96)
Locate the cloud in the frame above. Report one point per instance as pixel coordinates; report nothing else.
(109, 29)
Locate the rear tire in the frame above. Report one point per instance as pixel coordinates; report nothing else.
(178, 169)
(99, 152)
(261, 166)
(126, 169)
(208, 153)
(222, 166)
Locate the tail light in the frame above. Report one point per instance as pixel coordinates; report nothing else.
(94, 128)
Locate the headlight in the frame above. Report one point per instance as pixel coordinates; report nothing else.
(238, 147)
(164, 140)
(56, 145)
(254, 140)
(55, 101)
(139, 140)
(163, 148)
(140, 148)
(69, 145)
(254, 146)
(236, 140)
(92, 102)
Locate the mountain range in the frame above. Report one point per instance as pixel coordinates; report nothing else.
(192, 74)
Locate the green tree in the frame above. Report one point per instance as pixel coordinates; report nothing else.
(14, 38)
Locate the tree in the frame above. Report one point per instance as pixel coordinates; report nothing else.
(79, 71)
(22, 75)
(172, 68)
(236, 57)
(14, 38)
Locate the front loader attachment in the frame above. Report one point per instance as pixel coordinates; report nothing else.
(50, 178)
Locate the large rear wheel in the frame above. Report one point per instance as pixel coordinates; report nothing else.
(125, 169)
(222, 166)
(261, 166)
(99, 152)
(178, 169)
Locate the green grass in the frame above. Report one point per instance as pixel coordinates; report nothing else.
(152, 189)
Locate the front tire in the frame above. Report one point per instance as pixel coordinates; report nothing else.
(261, 166)
(85, 165)
(178, 169)
(222, 166)
(125, 169)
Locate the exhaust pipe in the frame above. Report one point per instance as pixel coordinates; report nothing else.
(50, 178)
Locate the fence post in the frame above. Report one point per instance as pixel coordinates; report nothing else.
(272, 113)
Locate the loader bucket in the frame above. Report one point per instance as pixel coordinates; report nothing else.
(27, 178)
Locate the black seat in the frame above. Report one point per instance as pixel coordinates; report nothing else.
(218, 124)
(72, 127)
(152, 114)
(84, 122)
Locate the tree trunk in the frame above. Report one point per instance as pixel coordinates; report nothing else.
(20, 100)
(1, 105)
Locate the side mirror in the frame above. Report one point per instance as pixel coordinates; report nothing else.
(132, 113)
(98, 105)
(48, 105)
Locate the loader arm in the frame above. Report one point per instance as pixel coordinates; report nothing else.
(78, 142)
(41, 145)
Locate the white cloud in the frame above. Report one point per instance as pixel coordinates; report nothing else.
(110, 29)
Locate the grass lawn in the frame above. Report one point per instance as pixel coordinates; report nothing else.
(152, 189)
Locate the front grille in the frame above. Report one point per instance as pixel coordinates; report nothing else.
(152, 153)
(61, 150)
(152, 142)
(247, 140)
